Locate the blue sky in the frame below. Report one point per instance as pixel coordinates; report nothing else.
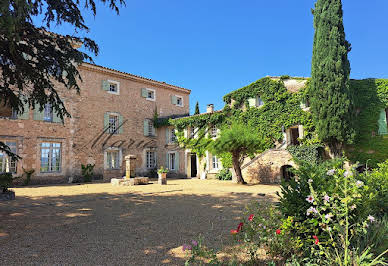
(215, 46)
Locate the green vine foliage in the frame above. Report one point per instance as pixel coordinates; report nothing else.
(310, 153)
(371, 95)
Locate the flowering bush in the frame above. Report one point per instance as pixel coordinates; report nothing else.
(327, 215)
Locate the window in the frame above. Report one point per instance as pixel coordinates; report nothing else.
(259, 101)
(172, 135)
(113, 123)
(48, 113)
(113, 87)
(50, 158)
(151, 159)
(7, 165)
(213, 131)
(147, 93)
(192, 132)
(171, 161)
(113, 158)
(215, 162)
(179, 101)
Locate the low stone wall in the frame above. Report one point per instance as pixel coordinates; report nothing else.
(267, 167)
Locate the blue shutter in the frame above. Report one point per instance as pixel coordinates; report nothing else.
(177, 161)
(120, 124)
(146, 127)
(382, 122)
(167, 166)
(144, 93)
(105, 85)
(26, 113)
(38, 115)
(106, 121)
(173, 99)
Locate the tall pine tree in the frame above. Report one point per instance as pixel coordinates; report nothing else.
(196, 108)
(331, 98)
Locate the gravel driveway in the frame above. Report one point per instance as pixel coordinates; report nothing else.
(97, 224)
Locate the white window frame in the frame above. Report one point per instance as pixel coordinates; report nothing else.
(51, 148)
(150, 164)
(119, 159)
(154, 92)
(114, 130)
(172, 162)
(180, 97)
(7, 164)
(215, 162)
(117, 86)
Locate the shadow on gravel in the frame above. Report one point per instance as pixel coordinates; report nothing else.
(122, 229)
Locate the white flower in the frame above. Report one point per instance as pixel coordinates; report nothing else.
(328, 216)
(347, 173)
(310, 199)
(331, 172)
(310, 181)
(371, 218)
(311, 210)
(359, 183)
(353, 207)
(297, 179)
(326, 198)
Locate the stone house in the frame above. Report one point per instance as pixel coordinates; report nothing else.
(111, 117)
(269, 167)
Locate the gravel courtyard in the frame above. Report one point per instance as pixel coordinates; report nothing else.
(97, 224)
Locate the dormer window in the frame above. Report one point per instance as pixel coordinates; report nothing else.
(113, 87)
(177, 100)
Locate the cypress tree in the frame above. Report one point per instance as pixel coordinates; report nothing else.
(196, 108)
(331, 98)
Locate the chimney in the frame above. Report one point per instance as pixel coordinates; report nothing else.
(210, 108)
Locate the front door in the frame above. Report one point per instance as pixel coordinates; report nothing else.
(193, 159)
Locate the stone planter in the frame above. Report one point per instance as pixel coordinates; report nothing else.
(162, 179)
(8, 195)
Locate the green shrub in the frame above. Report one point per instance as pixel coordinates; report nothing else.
(224, 174)
(5, 181)
(87, 172)
(309, 153)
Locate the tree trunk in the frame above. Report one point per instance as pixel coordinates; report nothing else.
(336, 149)
(237, 168)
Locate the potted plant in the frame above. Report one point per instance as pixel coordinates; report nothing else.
(162, 176)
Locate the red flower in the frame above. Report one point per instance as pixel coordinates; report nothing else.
(278, 231)
(239, 227)
(233, 232)
(316, 239)
(251, 217)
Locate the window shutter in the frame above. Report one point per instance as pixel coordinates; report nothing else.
(173, 99)
(38, 115)
(56, 118)
(144, 93)
(146, 127)
(153, 129)
(167, 135)
(167, 166)
(177, 161)
(252, 102)
(382, 122)
(26, 113)
(106, 120)
(105, 85)
(120, 124)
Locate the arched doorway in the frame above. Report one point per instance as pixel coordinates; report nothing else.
(286, 171)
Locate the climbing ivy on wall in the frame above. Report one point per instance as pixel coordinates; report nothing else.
(371, 95)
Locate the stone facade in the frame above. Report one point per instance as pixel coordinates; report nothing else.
(82, 138)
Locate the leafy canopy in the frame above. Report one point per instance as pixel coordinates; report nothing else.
(33, 60)
(331, 98)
